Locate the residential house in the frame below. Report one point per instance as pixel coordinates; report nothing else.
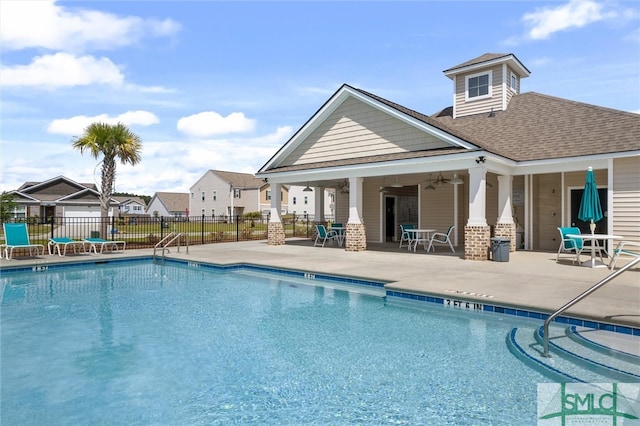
(58, 197)
(131, 205)
(169, 204)
(498, 162)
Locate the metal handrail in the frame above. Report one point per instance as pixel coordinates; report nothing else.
(175, 236)
(575, 300)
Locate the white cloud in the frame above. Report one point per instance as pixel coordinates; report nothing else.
(62, 69)
(211, 123)
(76, 125)
(44, 24)
(577, 13)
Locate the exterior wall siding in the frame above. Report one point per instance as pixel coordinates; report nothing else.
(626, 198)
(355, 130)
(464, 107)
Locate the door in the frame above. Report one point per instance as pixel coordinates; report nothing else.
(601, 225)
(389, 218)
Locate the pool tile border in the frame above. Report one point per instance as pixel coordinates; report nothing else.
(623, 329)
(438, 300)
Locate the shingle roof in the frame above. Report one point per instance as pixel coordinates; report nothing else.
(174, 201)
(239, 180)
(536, 126)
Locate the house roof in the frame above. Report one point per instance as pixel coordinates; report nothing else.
(239, 180)
(173, 201)
(489, 59)
(537, 127)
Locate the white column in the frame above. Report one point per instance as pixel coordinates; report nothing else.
(505, 214)
(355, 200)
(477, 196)
(318, 213)
(276, 203)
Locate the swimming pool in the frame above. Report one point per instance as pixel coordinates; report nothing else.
(142, 343)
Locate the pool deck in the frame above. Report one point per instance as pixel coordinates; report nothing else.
(529, 280)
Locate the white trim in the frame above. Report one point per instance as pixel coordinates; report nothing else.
(489, 86)
(505, 79)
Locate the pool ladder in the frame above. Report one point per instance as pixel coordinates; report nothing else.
(163, 244)
(576, 299)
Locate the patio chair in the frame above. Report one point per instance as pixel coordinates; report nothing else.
(625, 248)
(60, 244)
(406, 236)
(570, 245)
(16, 236)
(322, 236)
(440, 238)
(109, 245)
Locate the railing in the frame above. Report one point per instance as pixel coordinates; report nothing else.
(164, 244)
(575, 300)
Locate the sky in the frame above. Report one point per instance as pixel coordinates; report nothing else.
(224, 84)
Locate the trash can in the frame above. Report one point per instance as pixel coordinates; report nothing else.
(95, 234)
(500, 249)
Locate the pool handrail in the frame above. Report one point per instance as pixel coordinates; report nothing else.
(545, 352)
(163, 244)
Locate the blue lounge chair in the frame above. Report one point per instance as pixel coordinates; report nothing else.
(324, 235)
(16, 236)
(108, 245)
(60, 245)
(624, 248)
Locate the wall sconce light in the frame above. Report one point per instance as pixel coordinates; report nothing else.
(481, 159)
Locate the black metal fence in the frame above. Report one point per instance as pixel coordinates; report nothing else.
(145, 231)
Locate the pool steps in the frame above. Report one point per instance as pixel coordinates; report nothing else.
(576, 358)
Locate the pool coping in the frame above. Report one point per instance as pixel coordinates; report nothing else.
(462, 303)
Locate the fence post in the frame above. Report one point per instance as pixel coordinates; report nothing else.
(161, 227)
(52, 222)
(113, 226)
(202, 230)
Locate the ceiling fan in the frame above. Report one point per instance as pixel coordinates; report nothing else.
(440, 180)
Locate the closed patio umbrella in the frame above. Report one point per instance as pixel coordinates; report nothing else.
(590, 209)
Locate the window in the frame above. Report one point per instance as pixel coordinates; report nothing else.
(294, 200)
(478, 86)
(193, 195)
(215, 195)
(202, 212)
(268, 195)
(213, 212)
(203, 196)
(236, 193)
(513, 81)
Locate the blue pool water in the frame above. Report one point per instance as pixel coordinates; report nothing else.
(141, 343)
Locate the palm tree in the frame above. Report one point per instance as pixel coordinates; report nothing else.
(113, 142)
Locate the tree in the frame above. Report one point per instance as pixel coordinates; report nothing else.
(113, 142)
(7, 205)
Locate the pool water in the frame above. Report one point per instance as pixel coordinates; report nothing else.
(141, 343)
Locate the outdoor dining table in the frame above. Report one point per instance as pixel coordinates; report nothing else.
(594, 238)
(340, 233)
(418, 236)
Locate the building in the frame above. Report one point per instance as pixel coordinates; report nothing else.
(169, 204)
(58, 197)
(497, 162)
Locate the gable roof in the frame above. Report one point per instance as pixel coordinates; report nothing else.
(173, 201)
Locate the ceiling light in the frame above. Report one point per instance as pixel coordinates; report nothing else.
(307, 189)
(396, 184)
(429, 187)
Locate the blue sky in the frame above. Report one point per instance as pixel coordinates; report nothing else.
(223, 85)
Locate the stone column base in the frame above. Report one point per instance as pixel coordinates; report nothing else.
(275, 234)
(477, 242)
(356, 237)
(507, 230)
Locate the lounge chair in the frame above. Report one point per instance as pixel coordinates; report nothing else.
(16, 236)
(625, 248)
(60, 244)
(441, 238)
(406, 236)
(322, 236)
(109, 245)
